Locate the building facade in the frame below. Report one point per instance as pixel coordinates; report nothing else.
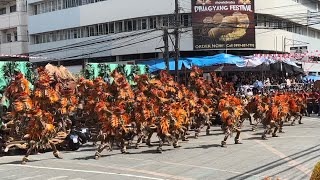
(71, 31)
(13, 27)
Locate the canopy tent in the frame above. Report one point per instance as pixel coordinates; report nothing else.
(286, 68)
(312, 78)
(217, 60)
(159, 64)
(240, 63)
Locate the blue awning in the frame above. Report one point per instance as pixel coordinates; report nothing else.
(312, 78)
(159, 64)
(216, 60)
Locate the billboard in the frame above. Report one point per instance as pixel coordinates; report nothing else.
(220, 24)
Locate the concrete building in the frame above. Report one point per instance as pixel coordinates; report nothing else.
(13, 27)
(112, 30)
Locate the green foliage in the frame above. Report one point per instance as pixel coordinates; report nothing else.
(104, 70)
(8, 70)
(30, 73)
(121, 69)
(89, 72)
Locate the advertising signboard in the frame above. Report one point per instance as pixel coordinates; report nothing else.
(220, 24)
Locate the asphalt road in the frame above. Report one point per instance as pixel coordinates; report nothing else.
(290, 156)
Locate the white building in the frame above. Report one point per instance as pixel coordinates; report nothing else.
(112, 30)
(13, 27)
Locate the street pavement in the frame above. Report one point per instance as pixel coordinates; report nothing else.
(290, 156)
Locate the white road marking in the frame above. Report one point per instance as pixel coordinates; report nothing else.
(312, 119)
(136, 171)
(84, 171)
(32, 177)
(59, 177)
(171, 163)
(291, 162)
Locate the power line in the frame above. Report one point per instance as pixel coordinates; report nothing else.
(76, 56)
(87, 43)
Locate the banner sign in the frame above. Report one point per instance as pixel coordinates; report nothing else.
(220, 24)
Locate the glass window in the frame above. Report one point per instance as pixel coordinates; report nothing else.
(3, 11)
(128, 26)
(106, 28)
(171, 20)
(62, 35)
(36, 39)
(47, 7)
(54, 5)
(50, 37)
(119, 28)
(134, 25)
(38, 9)
(15, 36)
(185, 20)
(152, 22)
(165, 21)
(59, 4)
(57, 35)
(91, 31)
(9, 37)
(75, 33)
(111, 27)
(139, 24)
(85, 32)
(13, 9)
(144, 24)
(101, 29)
(42, 38)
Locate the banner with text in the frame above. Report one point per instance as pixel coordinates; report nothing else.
(220, 24)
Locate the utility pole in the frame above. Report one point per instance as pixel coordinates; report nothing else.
(307, 23)
(176, 35)
(166, 47)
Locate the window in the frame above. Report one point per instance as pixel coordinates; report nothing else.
(255, 20)
(91, 31)
(36, 39)
(111, 27)
(13, 9)
(134, 25)
(59, 4)
(106, 28)
(171, 20)
(165, 21)
(15, 36)
(144, 24)
(3, 11)
(128, 25)
(185, 20)
(54, 5)
(75, 34)
(101, 29)
(9, 38)
(119, 28)
(62, 35)
(85, 31)
(152, 22)
(139, 24)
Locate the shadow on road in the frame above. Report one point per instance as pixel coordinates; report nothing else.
(275, 164)
(204, 146)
